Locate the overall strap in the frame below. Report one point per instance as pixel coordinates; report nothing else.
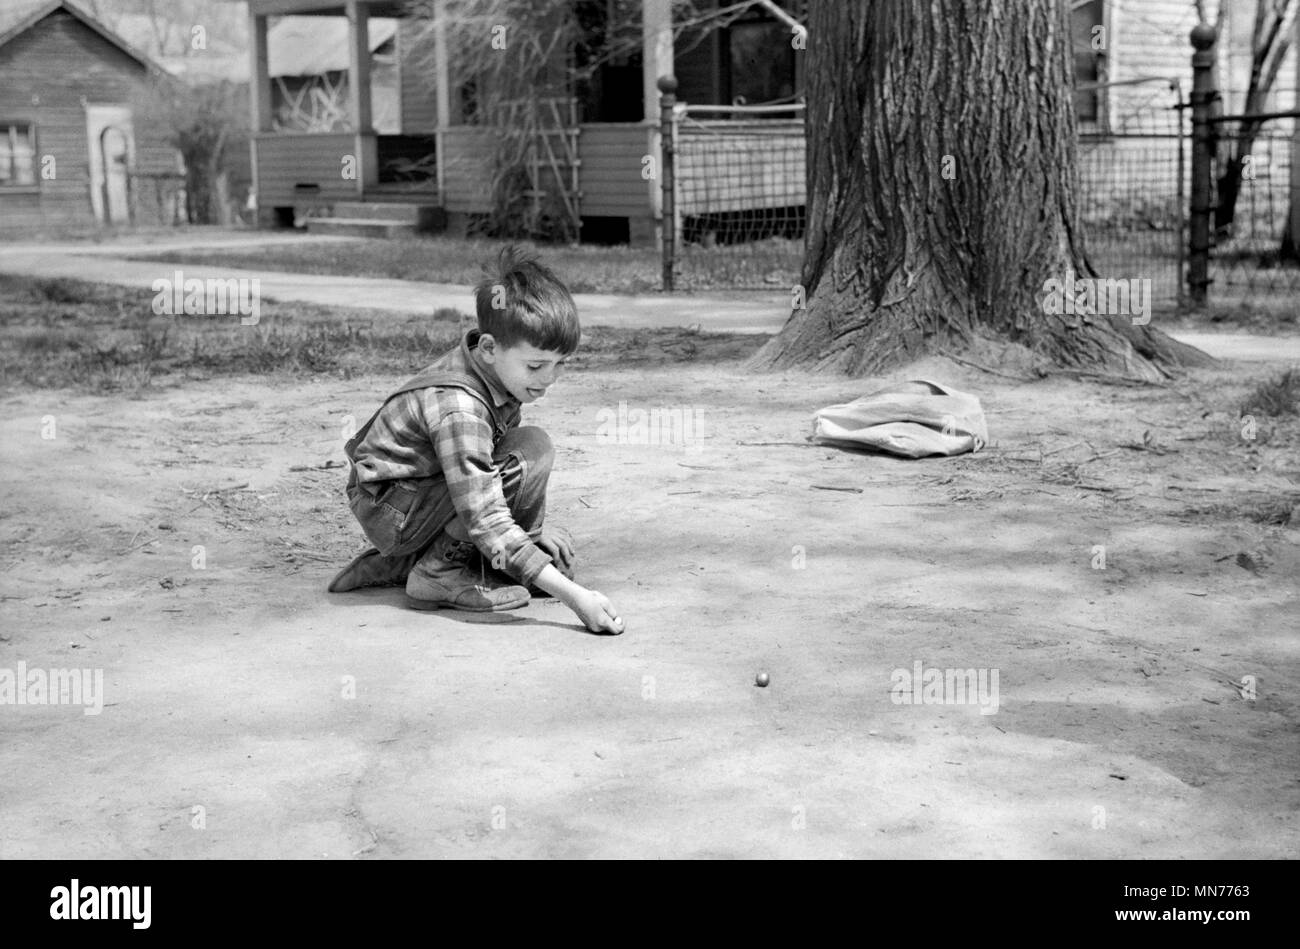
(427, 379)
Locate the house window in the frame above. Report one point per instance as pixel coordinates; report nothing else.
(17, 154)
(1089, 41)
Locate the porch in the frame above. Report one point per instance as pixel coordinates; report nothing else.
(436, 171)
(440, 166)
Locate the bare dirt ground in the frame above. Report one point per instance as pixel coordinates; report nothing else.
(1123, 727)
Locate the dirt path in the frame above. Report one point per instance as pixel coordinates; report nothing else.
(1120, 730)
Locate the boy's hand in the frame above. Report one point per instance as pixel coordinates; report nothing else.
(595, 610)
(558, 543)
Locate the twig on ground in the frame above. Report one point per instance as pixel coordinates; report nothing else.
(975, 365)
(833, 487)
(1105, 377)
(233, 487)
(211, 491)
(1108, 379)
(143, 543)
(1062, 448)
(1103, 454)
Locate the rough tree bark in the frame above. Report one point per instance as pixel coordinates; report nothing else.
(902, 261)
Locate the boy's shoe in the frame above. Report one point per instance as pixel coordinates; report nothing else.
(373, 569)
(446, 578)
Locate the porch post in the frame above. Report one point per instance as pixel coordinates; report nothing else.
(259, 80)
(259, 94)
(441, 84)
(366, 147)
(656, 61)
(359, 65)
(656, 52)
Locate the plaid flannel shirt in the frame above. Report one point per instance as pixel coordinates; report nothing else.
(446, 431)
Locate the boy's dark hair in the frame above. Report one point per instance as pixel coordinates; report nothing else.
(524, 302)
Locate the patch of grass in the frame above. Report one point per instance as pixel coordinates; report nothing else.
(108, 339)
(20, 290)
(771, 263)
(62, 290)
(1261, 313)
(1275, 397)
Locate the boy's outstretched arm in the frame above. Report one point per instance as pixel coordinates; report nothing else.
(594, 609)
(463, 444)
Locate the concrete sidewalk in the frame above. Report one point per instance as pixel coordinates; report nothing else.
(741, 312)
(737, 312)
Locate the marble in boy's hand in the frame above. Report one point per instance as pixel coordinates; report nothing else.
(597, 613)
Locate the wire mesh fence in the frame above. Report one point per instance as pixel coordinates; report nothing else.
(1132, 196)
(740, 196)
(1254, 195)
(740, 204)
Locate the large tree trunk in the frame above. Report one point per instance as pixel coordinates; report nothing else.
(903, 260)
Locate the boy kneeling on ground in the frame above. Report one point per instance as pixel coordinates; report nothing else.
(449, 487)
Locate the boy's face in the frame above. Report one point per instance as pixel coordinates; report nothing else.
(525, 371)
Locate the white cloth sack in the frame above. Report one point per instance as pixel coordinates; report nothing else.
(913, 419)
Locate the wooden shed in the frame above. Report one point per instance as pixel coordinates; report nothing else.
(76, 148)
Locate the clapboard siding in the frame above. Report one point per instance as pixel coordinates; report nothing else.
(1153, 39)
(610, 174)
(467, 169)
(285, 161)
(47, 75)
(1134, 176)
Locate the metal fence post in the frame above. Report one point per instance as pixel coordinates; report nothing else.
(1204, 94)
(668, 211)
(1180, 191)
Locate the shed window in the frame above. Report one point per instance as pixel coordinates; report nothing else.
(17, 154)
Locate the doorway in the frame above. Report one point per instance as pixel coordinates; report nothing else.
(111, 138)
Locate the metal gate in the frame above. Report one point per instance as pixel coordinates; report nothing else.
(737, 179)
(1254, 193)
(1132, 195)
